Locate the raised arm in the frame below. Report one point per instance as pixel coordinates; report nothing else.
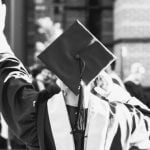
(17, 95)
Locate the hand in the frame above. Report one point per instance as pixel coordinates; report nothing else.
(53, 89)
(47, 93)
(2, 16)
(104, 84)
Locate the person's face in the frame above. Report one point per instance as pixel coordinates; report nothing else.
(140, 76)
(45, 73)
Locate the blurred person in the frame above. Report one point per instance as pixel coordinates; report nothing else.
(133, 83)
(47, 77)
(115, 77)
(50, 29)
(39, 46)
(35, 69)
(42, 77)
(49, 124)
(37, 78)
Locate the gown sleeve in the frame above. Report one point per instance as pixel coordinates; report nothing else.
(17, 97)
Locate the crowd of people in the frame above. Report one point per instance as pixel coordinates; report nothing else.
(47, 109)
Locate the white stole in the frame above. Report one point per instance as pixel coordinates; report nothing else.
(97, 124)
(59, 121)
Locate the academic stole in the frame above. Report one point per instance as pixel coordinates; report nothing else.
(96, 129)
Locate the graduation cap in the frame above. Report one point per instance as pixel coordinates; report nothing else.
(76, 55)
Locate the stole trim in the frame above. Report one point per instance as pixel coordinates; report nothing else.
(97, 124)
(60, 124)
(96, 129)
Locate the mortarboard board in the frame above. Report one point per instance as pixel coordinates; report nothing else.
(76, 42)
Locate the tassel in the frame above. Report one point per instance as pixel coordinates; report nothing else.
(81, 117)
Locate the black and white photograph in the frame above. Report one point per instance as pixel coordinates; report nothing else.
(74, 74)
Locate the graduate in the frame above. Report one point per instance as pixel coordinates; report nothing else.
(73, 118)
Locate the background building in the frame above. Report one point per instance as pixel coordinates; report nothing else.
(123, 26)
(132, 35)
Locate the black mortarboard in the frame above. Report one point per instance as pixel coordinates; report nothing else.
(76, 51)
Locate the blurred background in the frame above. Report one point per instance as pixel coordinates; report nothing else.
(122, 26)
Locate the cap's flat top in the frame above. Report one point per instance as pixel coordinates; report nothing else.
(59, 57)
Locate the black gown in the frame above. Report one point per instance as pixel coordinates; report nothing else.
(27, 119)
(137, 91)
(27, 115)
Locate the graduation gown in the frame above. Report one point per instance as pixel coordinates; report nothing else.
(137, 91)
(44, 126)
